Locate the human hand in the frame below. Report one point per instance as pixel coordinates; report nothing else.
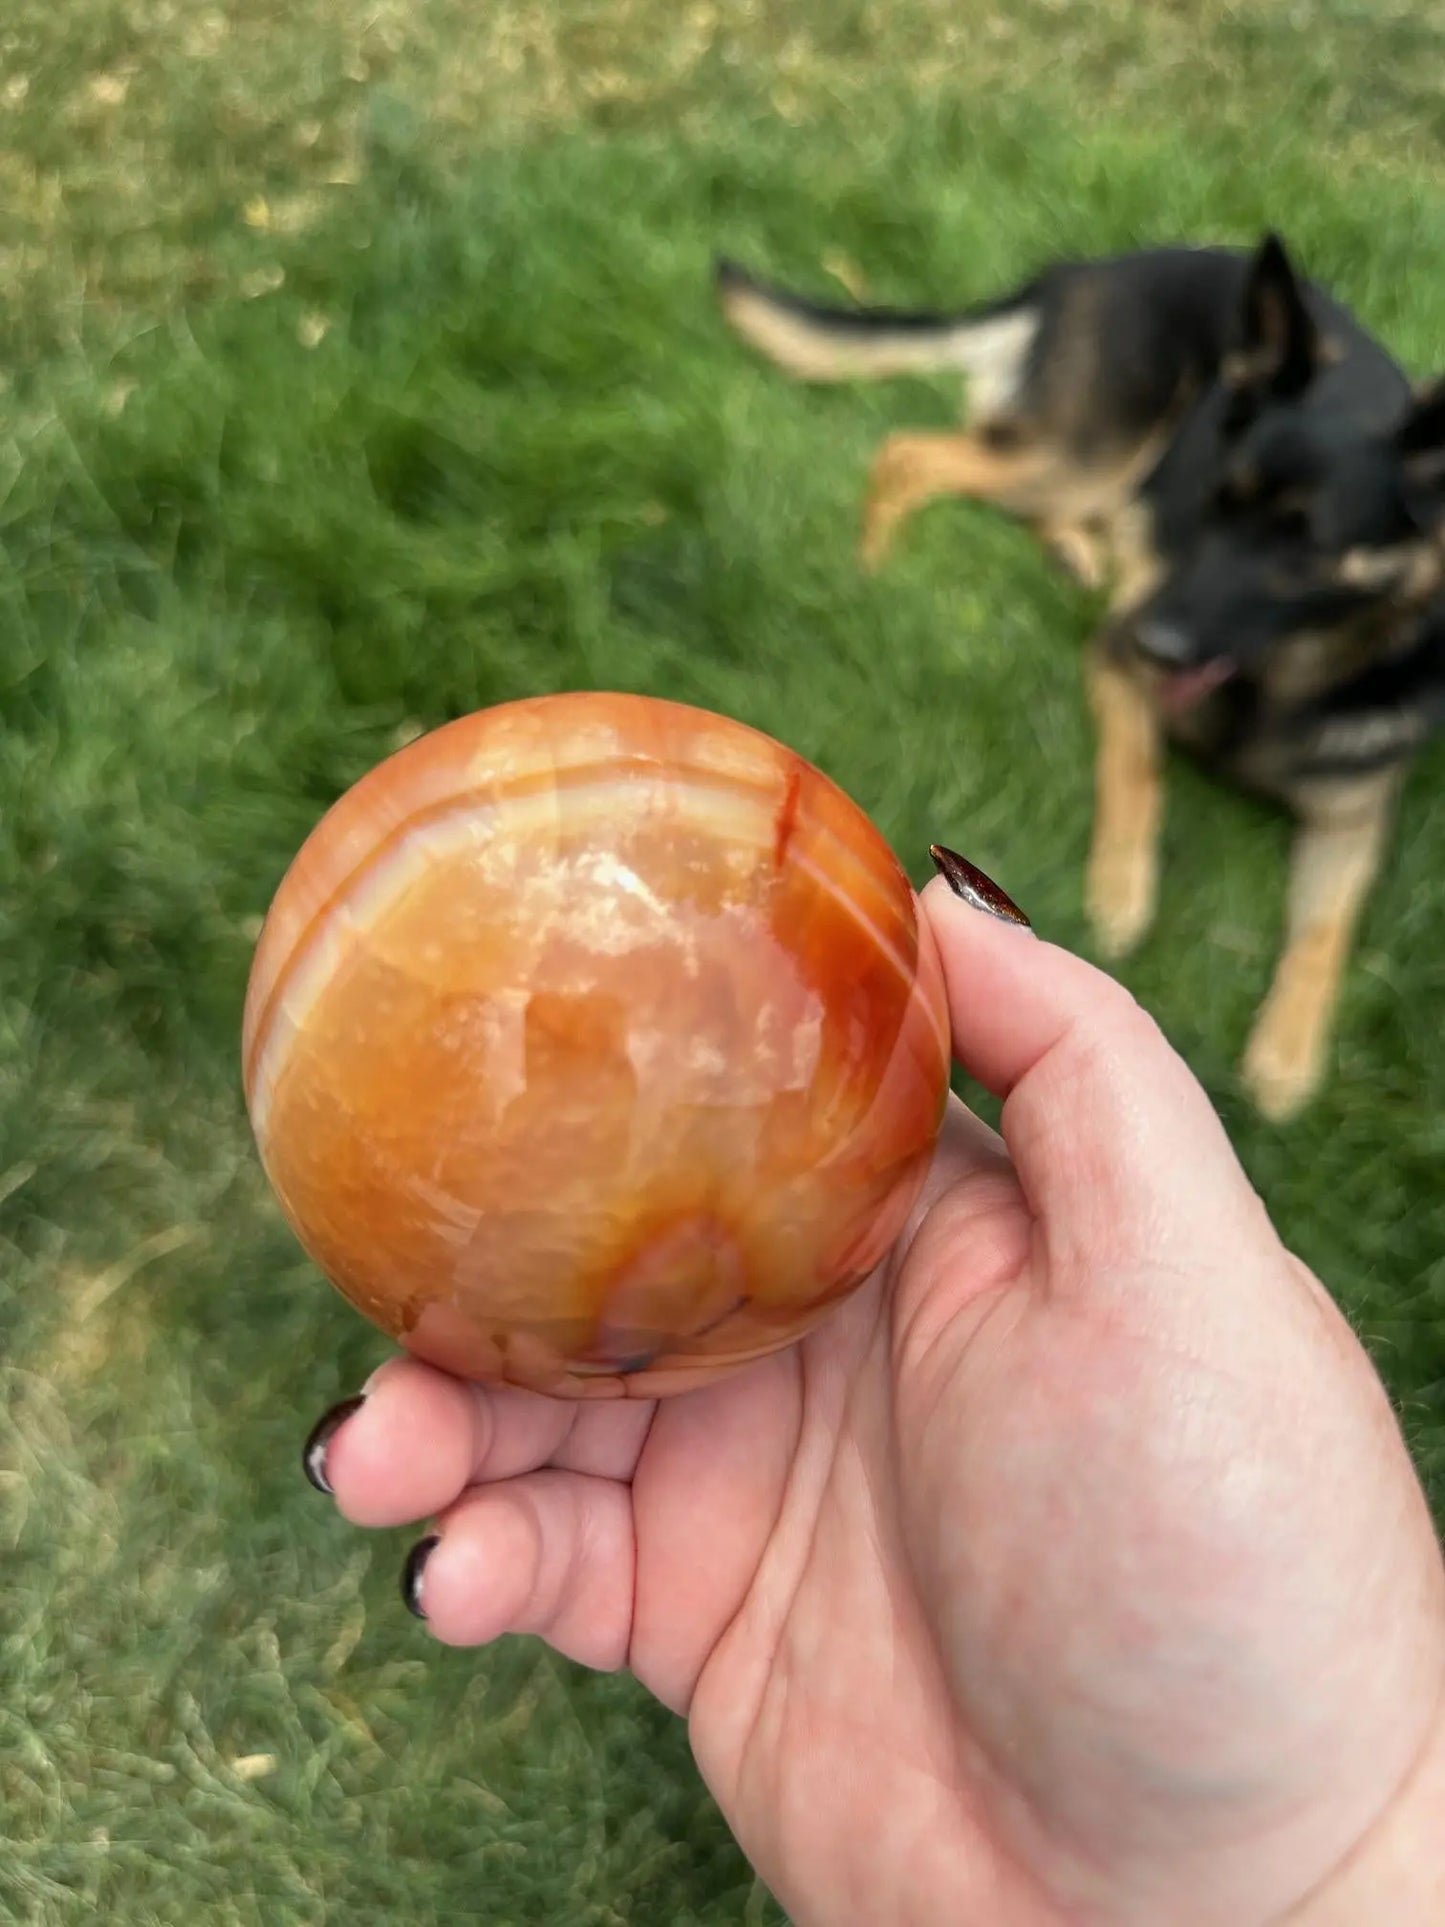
(1074, 1570)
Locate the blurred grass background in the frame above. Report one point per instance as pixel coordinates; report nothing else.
(357, 368)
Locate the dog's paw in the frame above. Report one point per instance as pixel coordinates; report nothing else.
(885, 507)
(875, 543)
(908, 471)
(1120, 900)
(1281, 1067)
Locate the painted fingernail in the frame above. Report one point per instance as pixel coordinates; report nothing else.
(966, 880)
(313, 1453)
(413, 1570)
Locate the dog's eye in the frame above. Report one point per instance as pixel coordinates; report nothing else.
(1231, 501)
(1290, 522)
(1240, 408)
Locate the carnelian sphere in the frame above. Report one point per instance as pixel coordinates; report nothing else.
(592, 1043)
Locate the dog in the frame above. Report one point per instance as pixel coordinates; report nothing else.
(1258, 491)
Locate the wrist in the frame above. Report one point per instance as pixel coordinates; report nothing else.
(1397, 1872)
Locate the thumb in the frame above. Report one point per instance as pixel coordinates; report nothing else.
(1118, 1149)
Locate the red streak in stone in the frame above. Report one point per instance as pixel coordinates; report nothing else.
(787, 814)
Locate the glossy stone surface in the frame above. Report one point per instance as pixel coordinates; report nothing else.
(592, 1044)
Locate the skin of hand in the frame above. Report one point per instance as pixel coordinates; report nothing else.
(1074, 1571)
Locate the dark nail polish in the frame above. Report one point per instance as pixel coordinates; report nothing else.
(967, 881)
(411, 1572)
(313, 1453)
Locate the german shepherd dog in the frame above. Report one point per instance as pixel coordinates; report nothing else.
(1249, 476)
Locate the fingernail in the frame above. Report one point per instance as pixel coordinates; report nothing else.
(313, 1453)
(412, 1571)
(967, 881)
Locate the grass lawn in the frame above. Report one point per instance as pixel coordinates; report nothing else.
(357, 368)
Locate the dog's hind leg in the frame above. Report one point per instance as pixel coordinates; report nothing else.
(911, 470)
(1077, 548)
(1337, 855)
(1123, 869)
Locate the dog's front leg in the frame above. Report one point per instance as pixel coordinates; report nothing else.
(1337, 854)
(1128, 805)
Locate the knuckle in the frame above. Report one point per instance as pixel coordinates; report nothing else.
(1121, 1025)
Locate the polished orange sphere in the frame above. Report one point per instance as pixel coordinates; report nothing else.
(593, 1044)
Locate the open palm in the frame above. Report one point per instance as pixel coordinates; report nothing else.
(1014, 1593)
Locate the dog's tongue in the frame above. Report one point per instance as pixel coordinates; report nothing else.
(1188, 686)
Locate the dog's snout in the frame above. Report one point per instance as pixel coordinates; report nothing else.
(1165, 641)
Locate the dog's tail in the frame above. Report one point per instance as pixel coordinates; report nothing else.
(817, 343)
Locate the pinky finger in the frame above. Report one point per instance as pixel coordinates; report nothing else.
(550, 1553)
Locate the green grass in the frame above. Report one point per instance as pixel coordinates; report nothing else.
(358, 369)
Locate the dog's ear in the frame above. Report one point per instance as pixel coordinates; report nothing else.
(1279, 344)
(1420, 443)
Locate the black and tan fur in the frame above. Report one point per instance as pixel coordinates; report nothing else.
(1249, 476)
